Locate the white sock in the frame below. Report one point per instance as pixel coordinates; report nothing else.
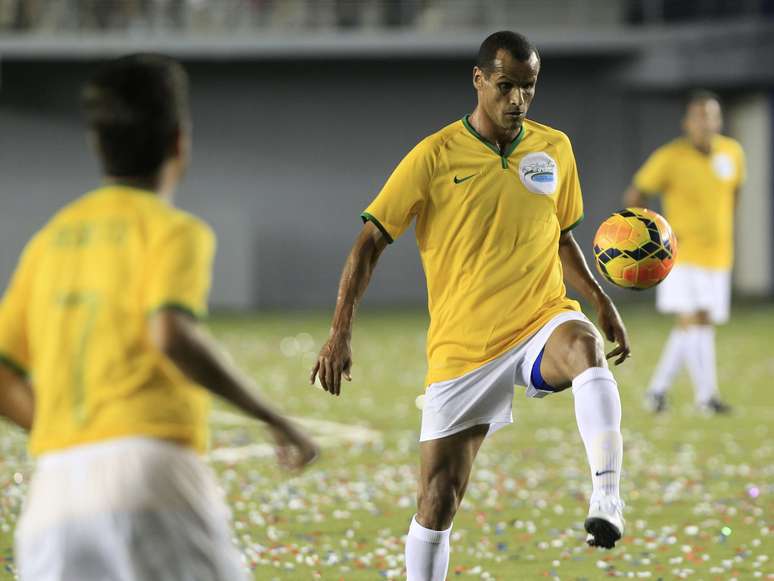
(598, 413)
(701, 362)
(672, 358)
(427, 553)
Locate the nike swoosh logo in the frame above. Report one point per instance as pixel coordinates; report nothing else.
(604, 472)
(460, 180)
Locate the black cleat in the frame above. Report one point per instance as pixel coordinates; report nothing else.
(605, 522)
(601, 533)
(714, 406)
(656, 402)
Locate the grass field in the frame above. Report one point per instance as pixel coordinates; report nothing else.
(699, 490)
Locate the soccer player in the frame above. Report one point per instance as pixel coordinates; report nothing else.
(495, 197)
(105, 360)
(698, 176)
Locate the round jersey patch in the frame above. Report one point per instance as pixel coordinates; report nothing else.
(723, 166)
(538, 173)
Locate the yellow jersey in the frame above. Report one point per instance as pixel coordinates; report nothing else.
(487, 227)
(74, 319)
(698, 192)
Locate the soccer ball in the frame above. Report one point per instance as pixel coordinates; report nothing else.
(635, 248)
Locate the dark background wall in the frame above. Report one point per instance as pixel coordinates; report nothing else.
(287, 154)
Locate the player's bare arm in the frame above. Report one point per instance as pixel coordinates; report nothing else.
(195, 353)
(579, 277)
(17, 402)
(335, 358)
(633, 198)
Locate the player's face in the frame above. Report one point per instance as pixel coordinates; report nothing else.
(703, 120)
(507, 92)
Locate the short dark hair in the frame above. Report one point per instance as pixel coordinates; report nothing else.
(701, 95)
(517, 44)
(136, 106)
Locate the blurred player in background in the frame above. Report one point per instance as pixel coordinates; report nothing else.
(495, 197)
(104, 358)
(698, 176)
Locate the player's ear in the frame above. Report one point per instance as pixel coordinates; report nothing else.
(478, 79)
(181, 144)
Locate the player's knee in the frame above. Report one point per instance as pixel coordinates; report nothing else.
(437, 505)
(586, 350)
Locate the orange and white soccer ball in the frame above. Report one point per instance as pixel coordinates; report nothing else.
(635, 248)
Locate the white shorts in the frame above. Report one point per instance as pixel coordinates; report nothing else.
(690, 289)
(485, 395)
(130, 509)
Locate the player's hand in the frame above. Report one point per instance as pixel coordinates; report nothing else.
(612, 326)
(334, 360)
(295, 450)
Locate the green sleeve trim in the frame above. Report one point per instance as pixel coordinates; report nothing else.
(370, 218)
(179, 307)
(14, 366)
(573, 225)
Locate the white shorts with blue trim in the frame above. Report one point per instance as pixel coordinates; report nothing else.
(485, 395)
(690, 289)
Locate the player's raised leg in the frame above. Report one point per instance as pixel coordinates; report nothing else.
(445, 466)
(574, 355)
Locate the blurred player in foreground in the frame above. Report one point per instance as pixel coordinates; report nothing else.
(698, 176)
(495, 197)
(104, 358)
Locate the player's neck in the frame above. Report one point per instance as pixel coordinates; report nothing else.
(149, 184)
(703, 145)
(491, 132)
(159, 184)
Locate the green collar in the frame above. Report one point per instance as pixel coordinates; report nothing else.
(509, 150)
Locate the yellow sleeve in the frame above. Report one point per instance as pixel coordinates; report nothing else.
(181, 276)
(402, 197)
(15, 352)
(569, 200)
(651, 179)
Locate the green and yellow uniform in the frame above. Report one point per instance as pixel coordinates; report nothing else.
(698, 193)
(75, 318)
(487, 227)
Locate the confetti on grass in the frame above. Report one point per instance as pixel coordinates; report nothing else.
(687, 478)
